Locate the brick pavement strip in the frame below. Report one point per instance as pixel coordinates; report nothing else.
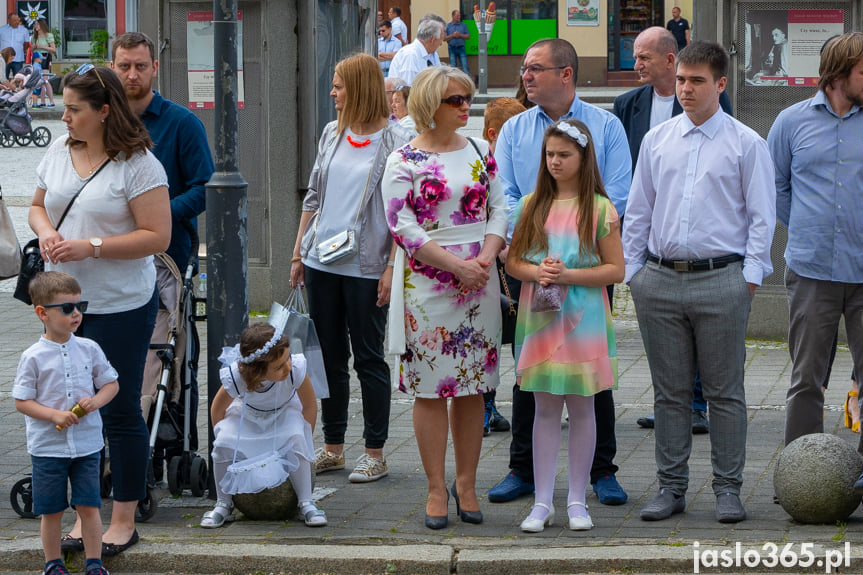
(378, 527)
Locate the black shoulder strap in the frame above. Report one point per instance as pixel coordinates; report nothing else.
(78, 193)
(478, 153)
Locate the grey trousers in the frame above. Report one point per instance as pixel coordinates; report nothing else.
(688, 319)
(814, 308)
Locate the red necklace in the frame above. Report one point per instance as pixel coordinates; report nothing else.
(362, 144)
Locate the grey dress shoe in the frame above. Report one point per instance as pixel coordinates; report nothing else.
(663, 506)
(729, 509)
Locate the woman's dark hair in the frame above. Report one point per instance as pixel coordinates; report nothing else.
(123, 130)
(252, 339)
(529, 236)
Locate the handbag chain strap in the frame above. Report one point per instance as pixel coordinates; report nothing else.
(506, 290)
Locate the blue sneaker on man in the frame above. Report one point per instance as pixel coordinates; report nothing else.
(510, 488)
(609, 491)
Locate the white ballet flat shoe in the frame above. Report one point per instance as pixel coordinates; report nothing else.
(538, 525)
(580, 523)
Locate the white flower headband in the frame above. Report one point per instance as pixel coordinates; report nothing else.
(573, 133)
(278, 319)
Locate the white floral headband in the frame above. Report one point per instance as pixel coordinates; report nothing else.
(278, 319)
(573, 133)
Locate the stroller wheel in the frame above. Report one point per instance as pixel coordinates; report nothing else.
(41, 136)
(146, 507)
(175, 475)
(23, 140)
(21, 498)
(198, 476)
(7, 140)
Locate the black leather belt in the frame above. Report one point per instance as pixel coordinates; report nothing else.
(695, 265)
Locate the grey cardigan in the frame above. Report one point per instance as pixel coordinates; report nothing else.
(373, 234)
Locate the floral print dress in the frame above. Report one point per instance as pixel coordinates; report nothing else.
(452, 338)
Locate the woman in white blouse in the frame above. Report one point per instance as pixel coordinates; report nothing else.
(121, 218)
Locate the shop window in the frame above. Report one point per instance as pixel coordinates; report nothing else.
(627, 18)
(518, 24)
(85, 27)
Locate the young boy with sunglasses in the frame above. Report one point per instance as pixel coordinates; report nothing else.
(61, 383)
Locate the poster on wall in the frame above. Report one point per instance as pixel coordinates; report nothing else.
(29, 11)
(783, 47)
(582, 12)
(200, 57)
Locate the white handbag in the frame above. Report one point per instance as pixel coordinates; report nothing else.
(342, 246)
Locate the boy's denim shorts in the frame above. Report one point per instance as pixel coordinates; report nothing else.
(51, 478)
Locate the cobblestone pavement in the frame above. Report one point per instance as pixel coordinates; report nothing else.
(390, 511)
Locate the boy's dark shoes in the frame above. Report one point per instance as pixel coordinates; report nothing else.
(98, 571)
(57, 569)
(69, 543)
(113, 549)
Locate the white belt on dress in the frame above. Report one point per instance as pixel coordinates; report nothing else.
(396, 344)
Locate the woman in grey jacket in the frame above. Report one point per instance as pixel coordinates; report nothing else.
(343, 255)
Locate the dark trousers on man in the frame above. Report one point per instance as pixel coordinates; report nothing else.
(815, 307)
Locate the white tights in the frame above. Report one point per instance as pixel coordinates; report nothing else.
(546, 446)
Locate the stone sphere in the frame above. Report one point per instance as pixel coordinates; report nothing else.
(275, 504)
(814, 478)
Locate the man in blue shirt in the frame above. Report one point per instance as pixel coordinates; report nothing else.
(816, 146)
(179, 143)
(456, 34)
(387, 46)
(549, 73)
(179, 137)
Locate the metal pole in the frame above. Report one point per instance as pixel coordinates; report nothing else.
(483, 50)
(227, 237)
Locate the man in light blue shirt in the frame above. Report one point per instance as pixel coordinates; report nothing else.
(549, 73)
(816, 146)
(699, 225)
(387, 46)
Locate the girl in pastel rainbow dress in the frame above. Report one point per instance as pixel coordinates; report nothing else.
(262, 420)
(566, 248)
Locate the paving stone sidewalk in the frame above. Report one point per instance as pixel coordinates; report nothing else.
(390, 512)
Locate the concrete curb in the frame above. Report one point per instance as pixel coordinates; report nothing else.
(350, 558)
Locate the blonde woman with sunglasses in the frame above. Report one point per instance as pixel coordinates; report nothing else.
(446, 210)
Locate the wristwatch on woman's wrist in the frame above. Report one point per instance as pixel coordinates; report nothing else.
(97, 247)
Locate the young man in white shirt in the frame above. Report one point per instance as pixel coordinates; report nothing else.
(699, 225)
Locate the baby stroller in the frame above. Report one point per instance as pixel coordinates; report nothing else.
(170, 392)
(15, 121)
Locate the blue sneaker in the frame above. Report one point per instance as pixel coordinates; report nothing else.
(609, 491)
(486, 424)
(510, 488)
(858, 485)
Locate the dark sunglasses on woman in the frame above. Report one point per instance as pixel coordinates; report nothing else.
(457, 100)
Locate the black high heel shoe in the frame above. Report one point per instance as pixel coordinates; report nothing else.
(466, 516)
(433, 522)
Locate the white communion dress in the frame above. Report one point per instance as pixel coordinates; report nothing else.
(262, 429)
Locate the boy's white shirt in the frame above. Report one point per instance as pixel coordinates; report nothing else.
(57, 375)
